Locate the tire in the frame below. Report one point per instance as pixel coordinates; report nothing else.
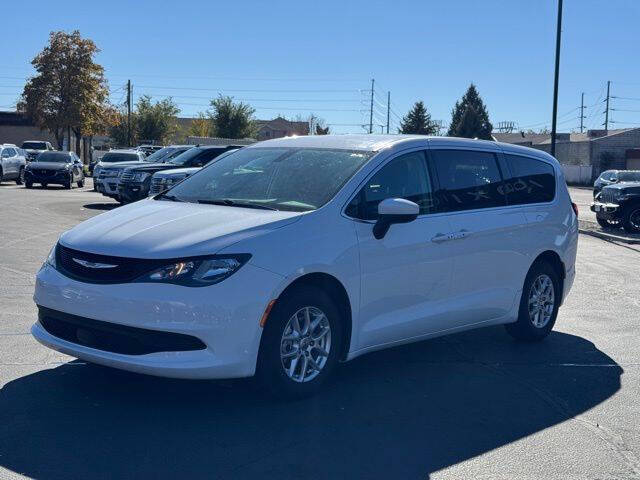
(605, 223)
(81, 183)
(28, 184)
(44, 185)
(271, 366)
(69, 184)
(631, 219)
(528, 327)
(20, 179)
(0, 175)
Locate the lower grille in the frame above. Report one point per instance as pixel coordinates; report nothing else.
(111, 337)
(92, 268)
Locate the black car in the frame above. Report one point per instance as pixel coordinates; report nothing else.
(619, 205)
(35, 147)
(610, 177)
(135, 181)
(59, 168)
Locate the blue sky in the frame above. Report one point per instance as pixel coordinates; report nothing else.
(293, 58)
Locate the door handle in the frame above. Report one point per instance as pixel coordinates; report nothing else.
(441, 237)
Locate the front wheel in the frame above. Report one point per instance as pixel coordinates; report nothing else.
(28, 185)
(81, 183)
(631, 219)
(69, 184)
(301, 343)
(538, 305)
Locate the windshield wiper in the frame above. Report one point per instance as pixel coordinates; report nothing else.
(171, 198)
(232, 203)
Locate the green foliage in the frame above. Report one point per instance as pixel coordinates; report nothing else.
(418, 121)
(200, 126)
(119, 129)
(156, 121)
(230, 119)
(469, 117)
(69, 89)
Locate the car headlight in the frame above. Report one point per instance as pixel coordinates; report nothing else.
(176, 179)
(140, 176)
(197, 272)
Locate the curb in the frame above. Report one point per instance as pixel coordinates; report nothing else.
(590, 228)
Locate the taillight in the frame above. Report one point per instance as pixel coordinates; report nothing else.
(575, 208)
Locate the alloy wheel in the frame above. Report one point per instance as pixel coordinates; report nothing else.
(305, 344)
(541, 301)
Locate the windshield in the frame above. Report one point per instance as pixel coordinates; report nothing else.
(184, 156)
(56, 157)
(629, 176)
(165, 153)
(294, 179)
(34, 145)
(113, 157)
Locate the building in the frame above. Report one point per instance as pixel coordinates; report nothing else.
(16, 128)
(600, 149)
(280, 127)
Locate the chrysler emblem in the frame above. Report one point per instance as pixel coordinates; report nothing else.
(88, 264)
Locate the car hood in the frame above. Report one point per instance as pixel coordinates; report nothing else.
(154, 167)
(177, 171)
(105, 166)
(627, 187)
(165, 229)
(48, 166)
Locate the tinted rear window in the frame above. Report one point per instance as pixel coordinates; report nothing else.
(120, 157)
(468, 180)
(533, 181)
(35, 145)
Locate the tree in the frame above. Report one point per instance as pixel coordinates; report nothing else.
(69, 90)
(322, 131)
(200, 126)
(230, 119)
(119, 129)
(469, 117)
(418, 121)
(156, 121)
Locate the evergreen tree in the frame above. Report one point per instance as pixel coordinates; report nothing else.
(418, 121)
(469, 117)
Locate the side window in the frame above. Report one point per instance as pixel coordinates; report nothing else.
(533, 181)
(12, 152)
(468, 180)
(404, 177)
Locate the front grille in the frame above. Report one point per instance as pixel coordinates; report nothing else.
(112, 337)
(157, 186)
(102, 268)
(607, 196)
(44, 173)
(126, 177)
(111, 172)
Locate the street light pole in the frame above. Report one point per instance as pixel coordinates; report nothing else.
(555, 84)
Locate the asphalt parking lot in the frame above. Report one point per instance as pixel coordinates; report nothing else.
(468, 406)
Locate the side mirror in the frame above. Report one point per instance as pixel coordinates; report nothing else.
(394, 210)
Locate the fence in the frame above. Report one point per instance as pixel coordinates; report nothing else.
(578, 174)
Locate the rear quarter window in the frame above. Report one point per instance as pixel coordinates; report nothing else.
(532, 180)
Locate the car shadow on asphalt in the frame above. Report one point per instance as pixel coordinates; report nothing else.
(101, 206)
(399, 413)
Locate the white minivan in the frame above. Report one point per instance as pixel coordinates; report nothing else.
(291, 255)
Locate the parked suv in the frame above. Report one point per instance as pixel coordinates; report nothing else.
(610, 177)
(12, 163)
(135, 182)
(55, 168)
(289, 255)
(110, 167)
(619, 205)
(34, 147)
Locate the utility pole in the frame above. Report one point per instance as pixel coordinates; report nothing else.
(388, 109)
(606, 112)
(582, 114)
(555, 83)
(371, 108)
(128, 113)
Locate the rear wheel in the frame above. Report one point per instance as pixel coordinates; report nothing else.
(28, 184)
(20, 179)
(44, 185)
(538, 305)
(301, 343)
(631, 219)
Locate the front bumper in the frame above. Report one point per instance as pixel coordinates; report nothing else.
(56, 177)
(133, 191)
(609, 211)
(225, 317)
(107, 186)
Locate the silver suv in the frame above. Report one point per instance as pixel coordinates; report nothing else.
(12, 163)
